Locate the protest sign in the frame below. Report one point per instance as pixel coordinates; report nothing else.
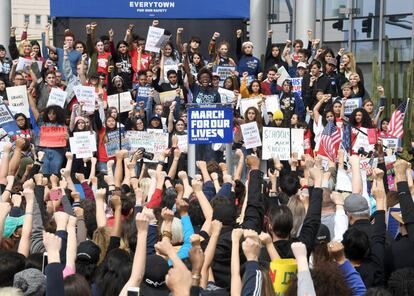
(362, 141)
(227, 96)
(7, 122)
(272, 103)
(112, 144)
(124, 101)
(152, 142)
(57, 97)
(297, 85)
(25, 65)
(155, 39)
(53, 136)
(247, 103)
(18, 100)
(169, 96)
(391, 143)
(251, 135)
(283, 75)
(182, 143)
(281, 272)
(80, 144)
(276, 142)
(389, 164)
(87, 96)
(210, 125)
(143, 94)
(223, 72)
(343, 181)
(351, 104)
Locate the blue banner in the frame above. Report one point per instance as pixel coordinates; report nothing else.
(210, 125)
(152, 9)
(7, 122)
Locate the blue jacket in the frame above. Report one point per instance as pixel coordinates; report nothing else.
(249, 64)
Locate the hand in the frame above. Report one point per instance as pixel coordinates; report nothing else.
(78, 212)
(354, 161)
(38, 179)
(167, 215)
(270, 33)
(337, 198)
(69, 156)
(16, 200)
(51, 242)
(61, 219)
(341, 51)
(265, 238)
(25, 26)
(253, 162)
(47, 27)
(277, 163)
(378, 173)
(214, 176)
(111, 33)
(216, 227)
(197, 185)
(101, 194)
(239, 153)
(201, 164)
(29, 184)
(239, 33)
(336, 250)
(216, 35)
(309, 33)
(180, 30)
(315, 173)
(177, 153)
(298, 249)
(196, 254)
(7, 147)
(10, 180)
(142, 222)
(227, 178)
(251, 249)
(164, 247)
(380, 90)
(182, 207)
(288, 42)
(236, 234)
(178, 280)
(223, 165)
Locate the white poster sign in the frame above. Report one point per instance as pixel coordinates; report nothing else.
(351, 104)
(227, 96)
(251, 135)
(87, 96)
(272, 103)
(247, 103)
(276, 142)
(124, 101)
(57, 97)
(182, 143)
(155, 39)
(283, 75)
(152, 142)
(18, 100)
(81, 145)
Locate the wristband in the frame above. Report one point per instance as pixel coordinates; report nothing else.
(167, 234)
(196, 276)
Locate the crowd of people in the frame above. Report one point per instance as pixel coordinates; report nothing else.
(333, 219)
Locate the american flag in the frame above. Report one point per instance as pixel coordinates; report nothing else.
(346, 136)
(329, 143)
(396, 125)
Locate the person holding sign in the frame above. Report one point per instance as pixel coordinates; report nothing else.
(320, 120)
(359, 119)
(44, 87)
(23, 123)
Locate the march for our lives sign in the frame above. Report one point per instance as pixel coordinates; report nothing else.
(164, 9)
(210, 125)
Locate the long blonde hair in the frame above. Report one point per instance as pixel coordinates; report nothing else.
(351, 66)
(297, 207)
(21, 47)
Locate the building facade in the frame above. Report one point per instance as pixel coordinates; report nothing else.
(34, 12)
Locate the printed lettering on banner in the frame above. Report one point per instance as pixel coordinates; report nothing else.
(391, 143)
(297, 85)
(283, 75)
(18, 100)
(210, 125)
(351, 104)
(362, 141)
(25, 65)
(124, 101)
(80, 144)
(7, 122)
(167, 97)
(53, 136)
(247, 103)
(143, 93)
(223, 72)
(155, 39)
(251, 135)
(152, 142)
(272, 103)
(87, 96)
(276, 142)
(227, 96)
(183, 143)
(57, 97)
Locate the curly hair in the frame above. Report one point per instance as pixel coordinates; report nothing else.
(366, 119)
(60, 114)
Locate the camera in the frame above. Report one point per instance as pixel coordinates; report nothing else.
(147, 155)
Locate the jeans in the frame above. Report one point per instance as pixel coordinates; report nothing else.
(52, 161)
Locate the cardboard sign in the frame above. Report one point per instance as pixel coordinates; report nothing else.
(351, 104)
(297, 85)
(210, 125)
(283, 75)
(112, 144)
(25, 65)
(81, 145)
(281, 272)
(276, 142)
(155, 39)
(7, 122)
(124, 101)
(87, 96)
(152, 142)
(247, 103)
(251, 135)
(18, 100)
(272, 103)
(223, 72)
(57, 97)
(182, 143)
(169, 96)
(53, 136)
(362, 141)
(227, 96)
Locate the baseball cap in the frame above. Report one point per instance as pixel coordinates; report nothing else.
(331, 61)
(156, 268)
(355, 203)
(301, 65)
(89, 251)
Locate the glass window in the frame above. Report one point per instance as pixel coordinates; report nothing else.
(280, 10)
(38, 19)
(333, 34)
(332, 8)
(398, 6)
(27, 18)
(280, 33)
(398, 26)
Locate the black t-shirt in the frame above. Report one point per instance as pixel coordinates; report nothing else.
(205, 96)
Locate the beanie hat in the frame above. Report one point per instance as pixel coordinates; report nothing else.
(246, 44)
(31, 281)
(277, 115)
